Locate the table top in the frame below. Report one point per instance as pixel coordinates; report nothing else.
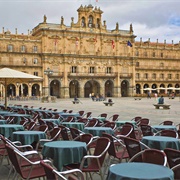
(139, 171)
(97, 131)
(122, 122)
(64, 152)
(162, 127)
(56, 121)
(28, 137)
(161, 142)
(10, 125)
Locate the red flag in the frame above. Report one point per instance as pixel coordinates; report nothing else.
(113, 45)
(76, 41)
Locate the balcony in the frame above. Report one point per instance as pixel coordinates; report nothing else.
(94, 75)
(57, 75)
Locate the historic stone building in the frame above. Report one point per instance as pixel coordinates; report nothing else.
(86, 57)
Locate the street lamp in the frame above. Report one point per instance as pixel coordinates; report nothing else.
(48, 72)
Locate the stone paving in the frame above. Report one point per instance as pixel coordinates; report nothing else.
(127, 108)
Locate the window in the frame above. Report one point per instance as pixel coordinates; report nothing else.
(145, 54)
(137, 76)
(91, 70)
(35, 61)
(177, 76)
(137, 53)
(153, 54)
(162, 55)
(109, 70)
(90, 21)
(161, 64)
(35, 49)
(35, 73)
(74, 69)
(24, 61)
(169, 76)
(146, 75)
(137, 64)
(83, 22)
(23, 48)
(162, 76)
(98, 23)
(154, 76)
(10, 48)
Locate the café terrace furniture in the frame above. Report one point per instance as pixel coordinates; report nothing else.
(64, 152)
(120, 123)
(139, 171)
(157, 128)
(161, 142)
(164, 106)
(28, 137)
(78, 125)
(55, 121)
(97, 131)
(66, 114)
(8, 129)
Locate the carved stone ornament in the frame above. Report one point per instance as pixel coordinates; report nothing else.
(54, 62)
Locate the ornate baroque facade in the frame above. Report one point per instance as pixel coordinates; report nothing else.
(86, 58)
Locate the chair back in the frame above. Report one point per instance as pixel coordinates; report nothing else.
(154, 156)
(103, 115)
(143, 121)
(87, 115)
(176, 171)
(50, 125)
(112, 125)
(101, 149)
(43, 128)
(146, 130)
(92, 123)
(114, 117)
(13, 158)
(48, 170)
(136, 119)
(55, 133)
(169, 133)
(133, 147)
(81, 113)
(69, 119)
(74, 132)
(126, 130)
(167, 123)
(64, 134)
(31, 126)
(173, 157)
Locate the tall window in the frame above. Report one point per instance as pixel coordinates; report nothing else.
(154, 76)
(162, 55)
(23, 48)
(137, 76)
(83, 22)
(74, 69)
(35, 49)
(153, 54)
(137, 53)
(24, 61)
(162, 76)
(169, 76)
(109, 70)
(91, 70)
(177, 76)
(10, 48)
(36, 73)
(35, 61)
(90, 21)
(137, 64)
(146, 75)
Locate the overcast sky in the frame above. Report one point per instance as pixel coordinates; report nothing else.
(154, 19)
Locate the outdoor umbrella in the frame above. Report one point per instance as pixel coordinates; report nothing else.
(8, 76)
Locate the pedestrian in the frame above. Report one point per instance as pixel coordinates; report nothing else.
(161, 100)
(149, 95)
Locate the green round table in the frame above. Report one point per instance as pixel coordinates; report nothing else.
(28, 137)
(120, 123)
(8, 129)
(77, 125)
(64, 152)
(3, 121)
(161, 142)
(97, 131)
(17, 117)
(139, 171)
(157, 128)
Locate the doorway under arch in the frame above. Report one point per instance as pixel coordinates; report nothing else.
(109, 88)
(124, 88)
(74, 89)
(92, 87)
(35, 90)
(55, 88)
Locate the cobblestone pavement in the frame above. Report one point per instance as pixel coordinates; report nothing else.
(127, 108)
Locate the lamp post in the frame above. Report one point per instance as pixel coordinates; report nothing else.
(48, 72)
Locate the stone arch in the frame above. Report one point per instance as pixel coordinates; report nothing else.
(55, 88)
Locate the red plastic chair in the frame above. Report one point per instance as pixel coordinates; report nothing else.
(93, 163)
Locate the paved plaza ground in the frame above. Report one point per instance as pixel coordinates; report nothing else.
(127, 108)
